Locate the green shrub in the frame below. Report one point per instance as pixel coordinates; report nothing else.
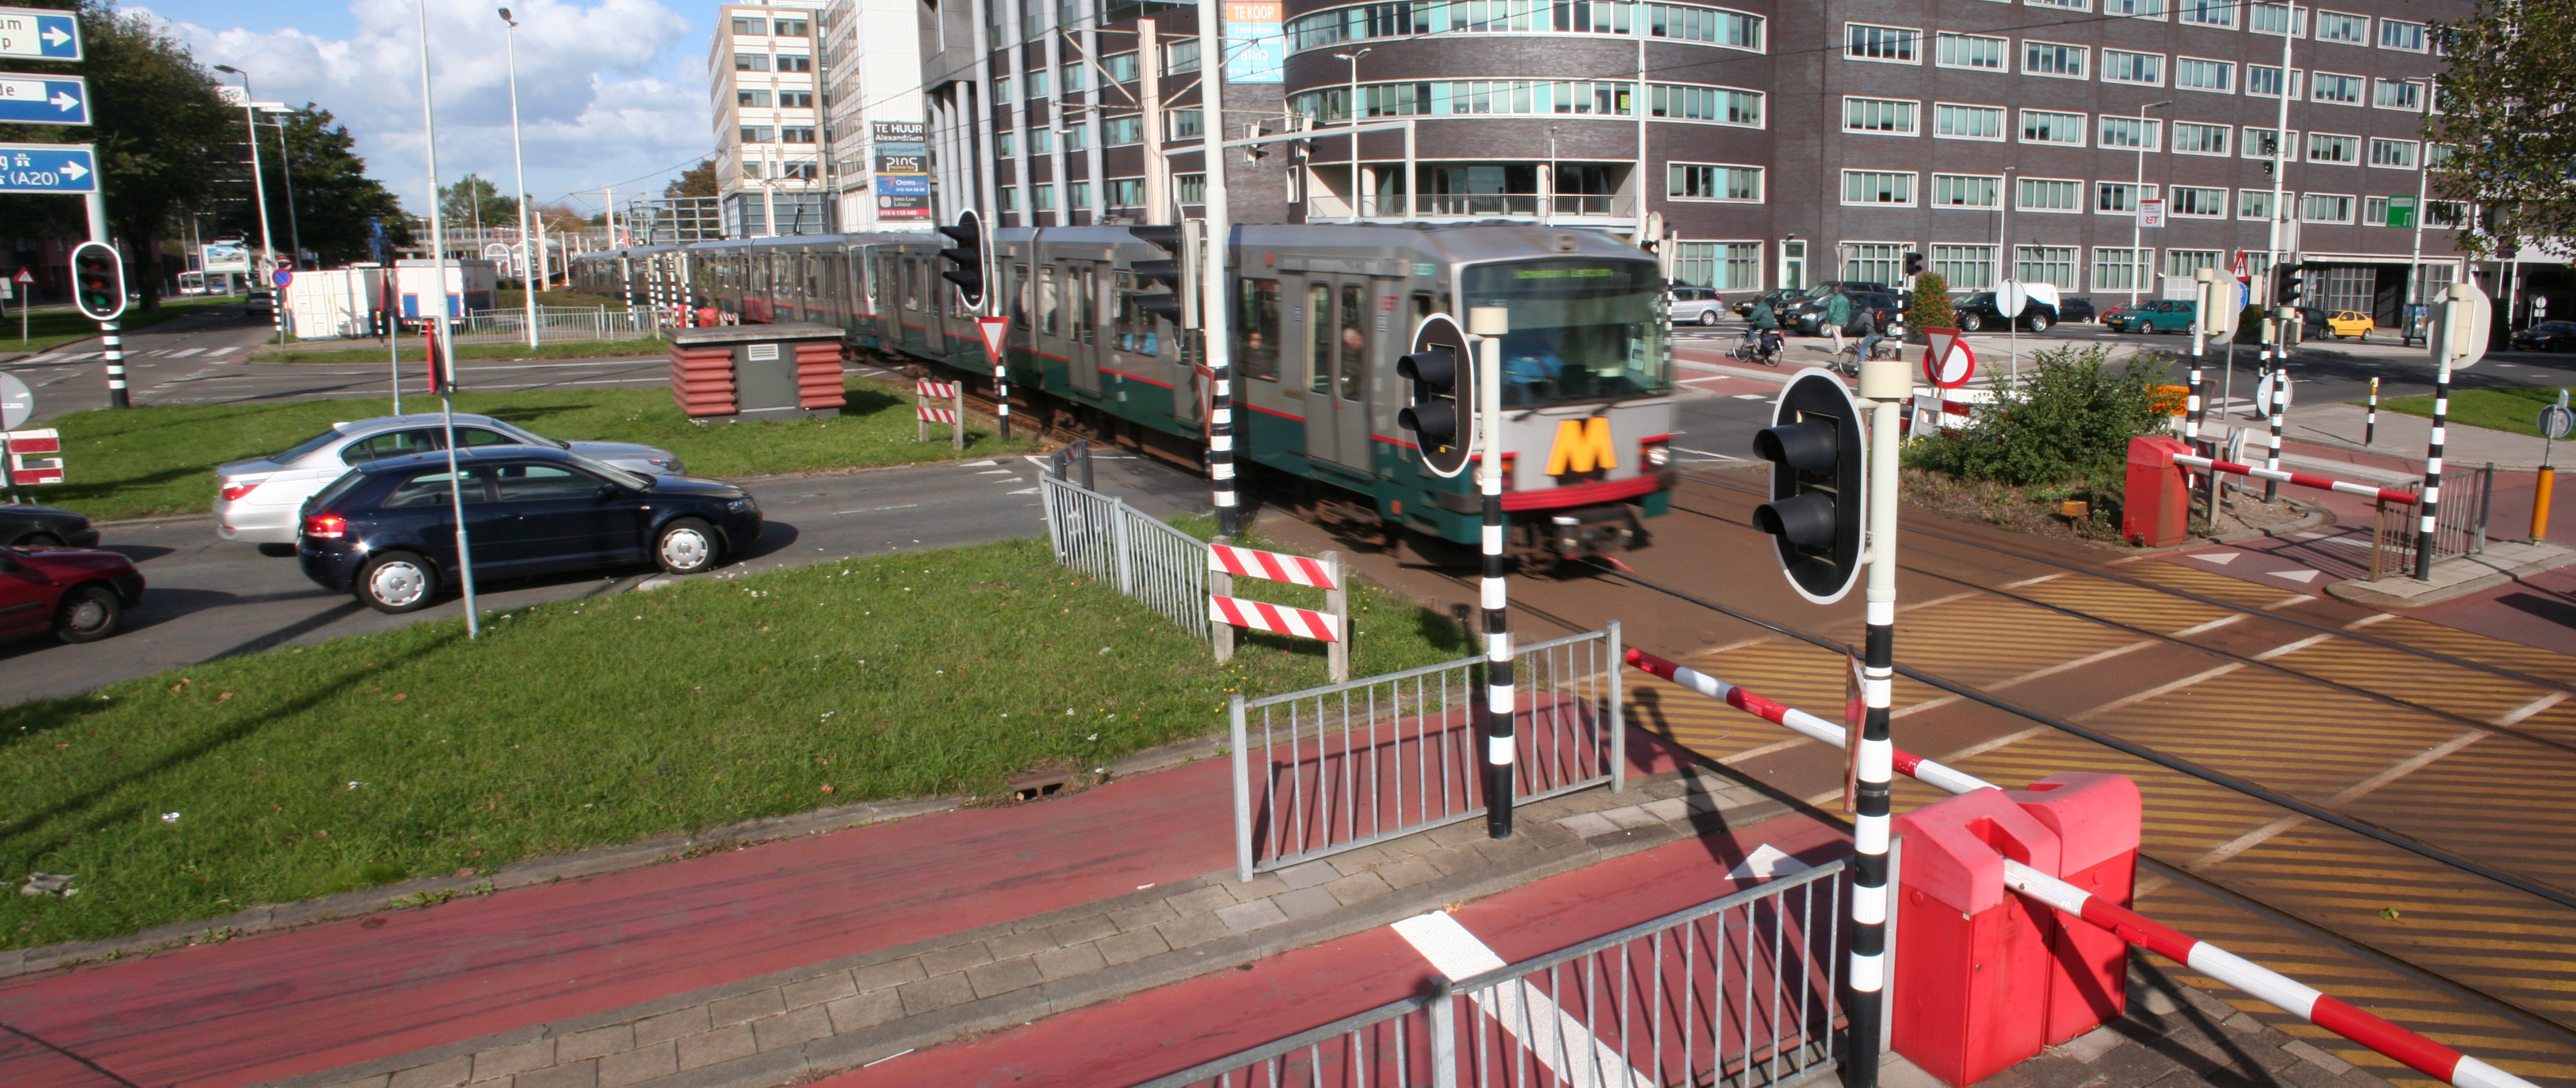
(1930, 308)
(2068, 424)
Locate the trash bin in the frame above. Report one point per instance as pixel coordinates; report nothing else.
(735, 372)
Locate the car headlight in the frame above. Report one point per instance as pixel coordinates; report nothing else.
(666, 464)
(742, 505)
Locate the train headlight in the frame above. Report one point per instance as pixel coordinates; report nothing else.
(1655, 454)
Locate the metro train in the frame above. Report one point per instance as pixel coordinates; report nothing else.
(1319, 316)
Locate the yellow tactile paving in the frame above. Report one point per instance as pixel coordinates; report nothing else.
(1984, 640)
(2119, 602)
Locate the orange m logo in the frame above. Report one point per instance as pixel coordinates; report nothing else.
(1581, 446)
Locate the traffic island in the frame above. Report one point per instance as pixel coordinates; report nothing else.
(2503, 561)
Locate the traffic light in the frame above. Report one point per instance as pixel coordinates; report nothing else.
(1257, 152)
(968, 257)
(1818, 494)
(1913, 264)
(1179, 275)
(1440, 406)
(98, 281)
(2287, 284)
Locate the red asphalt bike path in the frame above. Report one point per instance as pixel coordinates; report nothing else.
(1174, 1027)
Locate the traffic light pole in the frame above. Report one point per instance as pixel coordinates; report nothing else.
(1488, 324)
(1216, 342)
(110, 336)
(1883, 385)
(2454, 317)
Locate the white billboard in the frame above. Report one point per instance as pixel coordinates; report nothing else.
(224, 257)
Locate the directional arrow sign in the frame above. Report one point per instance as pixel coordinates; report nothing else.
(48, 168)
(44, 35)
(44, 100)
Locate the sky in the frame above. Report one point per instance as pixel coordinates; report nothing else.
(611, 92)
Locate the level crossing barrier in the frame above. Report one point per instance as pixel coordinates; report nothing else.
(1102, 536)
(2289, 995)
(1338, 767)
(1738, 992)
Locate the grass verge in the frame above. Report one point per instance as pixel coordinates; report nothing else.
(142, 462)
(413, 352)
(2515, 409)
(54, 328)
(307, 771)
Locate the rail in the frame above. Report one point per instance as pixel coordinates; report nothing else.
(1104, 537)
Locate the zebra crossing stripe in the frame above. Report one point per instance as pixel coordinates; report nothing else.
(1275, 566)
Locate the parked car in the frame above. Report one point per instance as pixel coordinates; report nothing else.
(2352, 323)
(2312, 321)
(2074, 309)
(2169, 315)
(1978, 312)
(1698, 305)
(79, 594)
(1771, 298)
(257, 500)
(1871, 311)
(2546, 336)
(32, 526)
(260, 304)
(384, 530)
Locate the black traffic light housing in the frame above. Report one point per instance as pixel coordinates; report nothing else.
(2287, 285)
(1818, 486)
(1179, 275)
(1913, 264)
(98, 281)
(968, 259)
(1440, 402)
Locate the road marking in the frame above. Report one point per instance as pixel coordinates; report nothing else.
(2292, 647)
(2031, 581)
(2366, 621)
(2220, 558)
(2203, 628)
(1753, 396)
(1767, 862)
(185, 352)
(977, 464)
(2286, 602)
(874, 509)
(225, 350)
(1553, 1036)
(2267, 832)
(2294, 575)
(2161, 689)
(1023, 491)
(2517, 714)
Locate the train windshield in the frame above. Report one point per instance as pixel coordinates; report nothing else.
(1580, 330)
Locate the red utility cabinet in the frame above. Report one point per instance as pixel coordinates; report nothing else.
(1972, 958)
(2155, 508)
(2096, 819)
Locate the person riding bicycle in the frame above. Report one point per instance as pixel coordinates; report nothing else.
(1893, 334)
(1762, 333)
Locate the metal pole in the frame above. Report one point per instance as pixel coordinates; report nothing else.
(445, 362)
(2454, 319)
(1883, 386)
(294, 226)
(2204, 289)
(1489, 323)
(1351, 117)
(518, 161)
(1216, 340)
(95, 205)
(1158, 169)
(2370, 423)
(2415, 264)
(259, 192)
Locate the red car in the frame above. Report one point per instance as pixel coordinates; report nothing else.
(79, 594)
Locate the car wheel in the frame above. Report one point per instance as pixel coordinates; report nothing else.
(2040, 323)
(40, 540)
(1971, 323)
(685, 546)
(1708, 317)
(87, 614)
(397, 582)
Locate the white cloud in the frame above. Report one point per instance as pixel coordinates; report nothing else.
(608, 90)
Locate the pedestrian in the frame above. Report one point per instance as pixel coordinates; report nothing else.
(1838, 313)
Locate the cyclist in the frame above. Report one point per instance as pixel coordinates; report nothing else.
(1762, 335)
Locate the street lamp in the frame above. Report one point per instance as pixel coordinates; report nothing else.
(2138, 201)
(518, 162)
(286, 166)
(1352, 108)
(258, 180)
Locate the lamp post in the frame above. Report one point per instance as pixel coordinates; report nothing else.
(442, 357)
(258, 180)
(2138, 200)
(1352, 110)
(286, 167)
(519, 162)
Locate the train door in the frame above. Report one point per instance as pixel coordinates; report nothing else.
(1339, 344)
(1082, 287)
(1122, 349)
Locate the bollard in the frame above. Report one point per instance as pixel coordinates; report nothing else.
(2370, 423)
(2540, 503)
(2157, 510)
(1973, 972)
(2096, 818)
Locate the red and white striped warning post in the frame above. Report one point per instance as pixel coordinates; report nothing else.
(2288, 994)
(1330, 626)
(2301, 479)
(928, 409)
(33, 457)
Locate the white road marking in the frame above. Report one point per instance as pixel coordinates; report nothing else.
(2161, 689)
(2287, 649)
(2517, 714)
(1705, 453)
(1752, 396)
(874, 509)
(2294, 575)
(2366, 621)
(185, 352)
(225, 350)
(1767, 862)
(1554, 1037)
(2220, 558)
(1023, 491)
(2267, 832)
(2203, 628)
(1002, 471)
(2031, 581)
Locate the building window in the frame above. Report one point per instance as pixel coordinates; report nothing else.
(1184, 124)
(1011, 204)
(1071, 79)
(2437, 156)
(1121, 131)
(757, 134)
(2374, 211)
(1193, 187)
(2183, 262)
(1126, 192)
(2262, 143)
(1724, 105)
(796, 134)
(1077, 194)
(1698, 24)
(751, 62)
(2070, 5)
(1077, 135)
(2130, 133)
(2121, 66)
(796, 100)
(1726, 266)
(2398, 94)
(2045, 264)
(1038, 83)
(1121, 67)
(2345, 90)
(750, 26)
(2271, 18)
(2050, 195)
(2445, 213)
(2120, 197)
(1002, 144)
(2398, 34)
(750, 168)
(793, 28)
(1041, 141)
(1966, 267)
(2325, 208)
(2053, 59)
(1968, 122)
(1002, 89)
(1879, 115)
(1887, 43)
(1877, 187)
(1698, 181)
(2117, 269)
(2397, 153)
(2198, 202)
(2338, 149)
(2219, 13)
(1971, 51)
(2253, 203)
(1043, 198)
(2046, 127)
(795, 62)
(1875, 262)
(2336, 26)
(2143, 9)
(756, 99)
(2191, 138)
(2204, 75)
(1181, 56)
(2264, 81)
(1966, 191)
(800, 171)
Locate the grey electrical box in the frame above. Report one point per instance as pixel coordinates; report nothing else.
(749, 372)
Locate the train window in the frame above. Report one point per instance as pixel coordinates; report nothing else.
(1319, 362)
(1354, 339)
(1020, 288)
(1421, 309)
(813, 276)
(1084, 282)
(1257, 315)
(911, 283)
(1136, 328)
(1047, 319)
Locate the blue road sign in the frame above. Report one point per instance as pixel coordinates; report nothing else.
(48, 168)
(43, 35)
(282, 276)
(44, 100)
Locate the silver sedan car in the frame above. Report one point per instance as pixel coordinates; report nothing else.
(258, 500)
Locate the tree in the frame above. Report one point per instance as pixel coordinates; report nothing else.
(474, 196)
(334, 197)
(1930, 307)
(2505, 124)
(699, 180)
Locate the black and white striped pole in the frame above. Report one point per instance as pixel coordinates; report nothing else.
(98, 291)
(2460, 341)
(1883, 386)
(1488, 324)
(1210, 248)
(2195, 399)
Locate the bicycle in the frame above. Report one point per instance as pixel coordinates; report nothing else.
(1759, 346)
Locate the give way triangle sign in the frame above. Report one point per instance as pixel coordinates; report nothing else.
(993, 328)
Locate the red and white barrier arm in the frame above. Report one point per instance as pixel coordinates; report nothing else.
(2300, 478)
(1799, 721)
(2431, 1058)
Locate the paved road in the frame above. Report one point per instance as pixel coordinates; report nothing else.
(210, 598)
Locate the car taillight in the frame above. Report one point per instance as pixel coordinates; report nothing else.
(234, 492)
(326, 526)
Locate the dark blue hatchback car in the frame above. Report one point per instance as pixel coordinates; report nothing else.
(387, 530)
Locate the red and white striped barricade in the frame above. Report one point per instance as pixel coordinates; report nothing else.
(1330, 626)
(1933, 410)
(929, 410)
(34, 457)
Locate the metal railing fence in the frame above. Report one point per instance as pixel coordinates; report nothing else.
(1739, 992)
(2459, 525)
(554, 323)
(1102, 536)
(1335, 768)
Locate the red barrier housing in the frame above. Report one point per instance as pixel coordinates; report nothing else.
(2096, 818)
(2155, 509)
(1973, 970)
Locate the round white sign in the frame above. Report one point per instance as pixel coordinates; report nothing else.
(17, 402)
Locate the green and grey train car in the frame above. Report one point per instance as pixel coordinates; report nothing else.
(1318, 314)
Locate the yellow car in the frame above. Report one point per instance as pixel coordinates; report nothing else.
(2350, 323)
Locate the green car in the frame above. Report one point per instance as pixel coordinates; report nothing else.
(2159, 315)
